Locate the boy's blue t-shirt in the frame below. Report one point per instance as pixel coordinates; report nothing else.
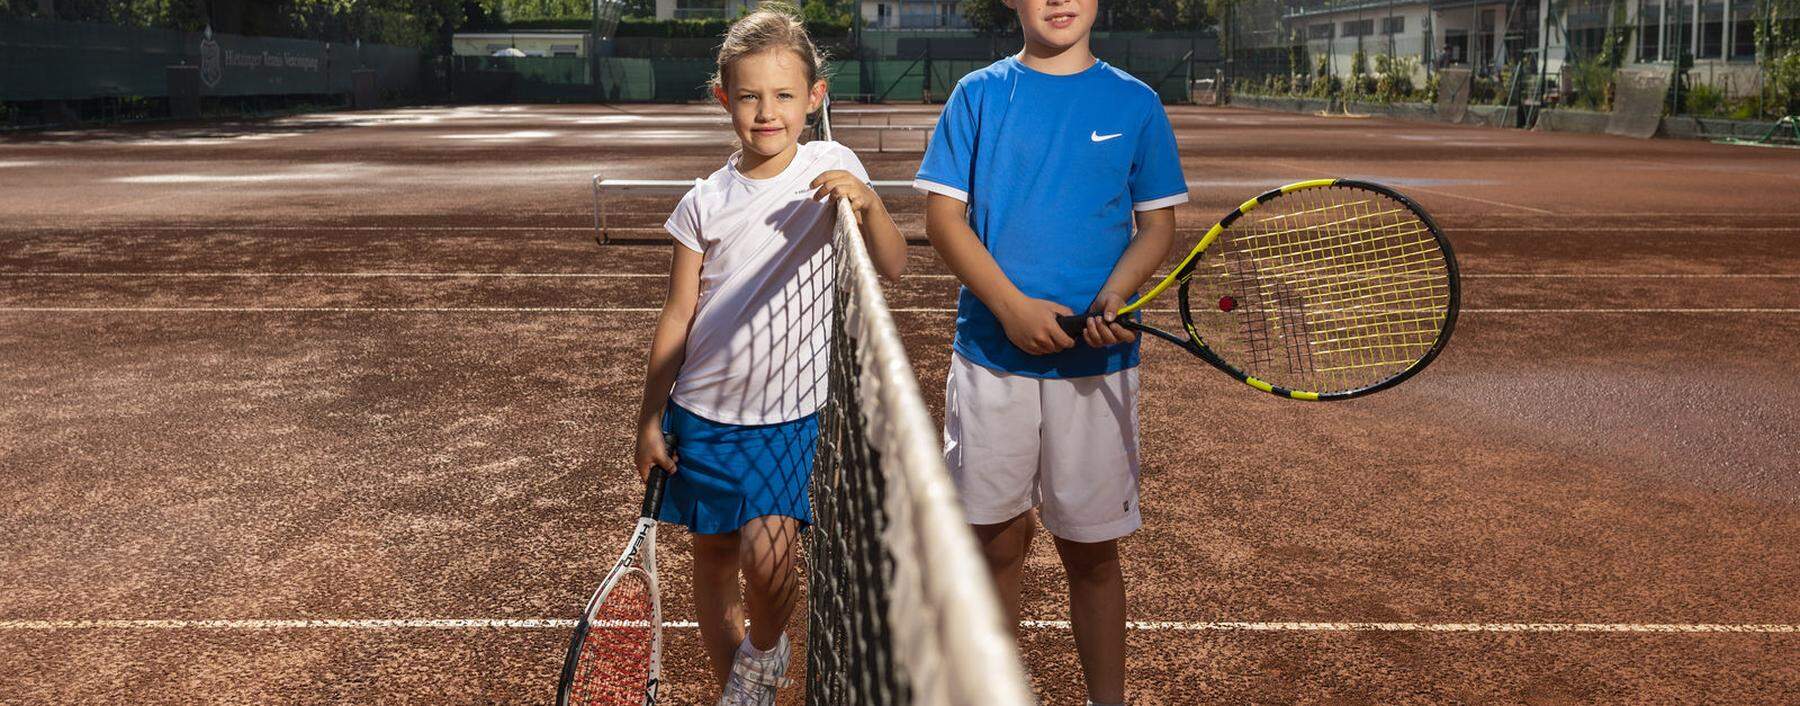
(1052, 168)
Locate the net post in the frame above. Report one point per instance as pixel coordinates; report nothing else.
(600, 235)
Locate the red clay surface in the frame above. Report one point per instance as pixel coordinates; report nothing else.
(372, 367)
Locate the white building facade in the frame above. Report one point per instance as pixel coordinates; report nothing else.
(1487, 36)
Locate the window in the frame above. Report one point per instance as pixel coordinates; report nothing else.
(1319, 31)
(1743, 30)
(1587, 29)
(685, 9)
(1393, 25)
(1650, 30)
(1359, 28)
(565, 50)
(1679, 23)
(1711, 43)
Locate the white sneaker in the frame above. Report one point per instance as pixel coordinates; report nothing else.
(755, 677)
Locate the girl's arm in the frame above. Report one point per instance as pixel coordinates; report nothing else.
(887, 248)
(668, 349)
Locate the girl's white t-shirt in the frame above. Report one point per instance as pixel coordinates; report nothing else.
(756, 353)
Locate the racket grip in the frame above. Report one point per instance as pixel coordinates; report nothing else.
(659, 477)
(1074, 324)
(653, 493)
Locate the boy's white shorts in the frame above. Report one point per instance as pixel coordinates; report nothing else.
(1069, 446)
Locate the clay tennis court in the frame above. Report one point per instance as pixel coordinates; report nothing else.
(335, 408)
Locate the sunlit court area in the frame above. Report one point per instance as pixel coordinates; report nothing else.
(324, 332)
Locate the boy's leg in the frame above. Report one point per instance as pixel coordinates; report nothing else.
(717, 604)
(1097, 611)
(1005, 546)
(991, 448)
(766, 553)
(1090, 472)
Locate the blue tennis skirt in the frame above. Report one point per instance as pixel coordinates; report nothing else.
(729, 474)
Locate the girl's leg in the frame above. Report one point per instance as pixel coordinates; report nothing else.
(766, 549)
(717, 603)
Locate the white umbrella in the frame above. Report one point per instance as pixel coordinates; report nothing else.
(509, 51)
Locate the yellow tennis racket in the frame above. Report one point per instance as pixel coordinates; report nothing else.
(1319, 290)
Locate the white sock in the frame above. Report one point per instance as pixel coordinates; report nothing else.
(772, 660)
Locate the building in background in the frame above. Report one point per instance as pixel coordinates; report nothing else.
(876, 14)
(911, 14)
(1490, 36)
(575, 43)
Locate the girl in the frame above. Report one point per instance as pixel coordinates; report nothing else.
(737, 365)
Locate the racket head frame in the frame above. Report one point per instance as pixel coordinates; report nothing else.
(1196, 344)
(639, 555)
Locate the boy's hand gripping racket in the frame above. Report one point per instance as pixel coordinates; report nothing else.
(1319, 290)
(615, 657)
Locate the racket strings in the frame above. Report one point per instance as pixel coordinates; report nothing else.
(614, 666)
(1336, 289)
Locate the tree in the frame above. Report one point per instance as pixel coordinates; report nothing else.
(825, 12)
(990, 17)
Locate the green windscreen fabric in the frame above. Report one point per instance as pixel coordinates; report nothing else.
(53, 60)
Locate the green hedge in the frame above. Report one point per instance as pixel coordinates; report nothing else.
(651, 27)
(709, 28)
(577, 23)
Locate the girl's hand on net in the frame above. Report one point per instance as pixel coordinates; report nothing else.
(839, 184)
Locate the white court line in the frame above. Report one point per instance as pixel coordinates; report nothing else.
(1146, 626)
(1435, 192)
(353, 275)
(1420, 189)
(128, 228)
(662, 275)
(1623, 229)
(643, 310)
(1629, 275)
(337, 309)
(1452, 218)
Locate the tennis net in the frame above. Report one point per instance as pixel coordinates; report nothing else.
(901, 609)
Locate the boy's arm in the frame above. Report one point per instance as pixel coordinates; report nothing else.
(1148, 249)
(1030, 323)
(668, 349)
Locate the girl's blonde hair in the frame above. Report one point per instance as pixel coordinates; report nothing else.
(776, 25)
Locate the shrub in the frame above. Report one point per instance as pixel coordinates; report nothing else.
(1705, 99)
(1500, 88)
(1783, 84)
(1393, 77)
(1749, 108)
(1325, 84)
(1590, 82)
(1481, 90)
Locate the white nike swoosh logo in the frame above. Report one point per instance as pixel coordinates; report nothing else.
(1097, 137)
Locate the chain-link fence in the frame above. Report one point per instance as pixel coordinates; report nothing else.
(876, 66)
(58, 71)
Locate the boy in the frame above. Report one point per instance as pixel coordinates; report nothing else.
(1040, 164)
